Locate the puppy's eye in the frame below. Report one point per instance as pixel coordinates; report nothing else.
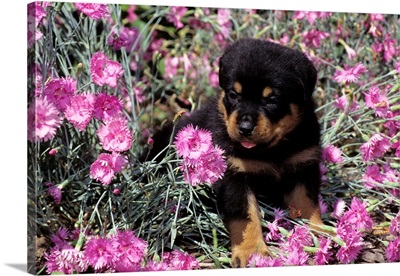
(233, 97)
(272, 99)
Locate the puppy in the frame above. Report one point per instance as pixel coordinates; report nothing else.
(264, 120)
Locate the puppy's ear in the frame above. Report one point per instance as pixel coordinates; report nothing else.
(307, 74)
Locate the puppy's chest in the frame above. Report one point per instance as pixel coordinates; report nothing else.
(272, 168)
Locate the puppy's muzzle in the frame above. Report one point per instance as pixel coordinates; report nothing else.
(246, 126)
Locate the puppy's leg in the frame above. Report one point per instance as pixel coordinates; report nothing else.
(246, 235)
(308, 208)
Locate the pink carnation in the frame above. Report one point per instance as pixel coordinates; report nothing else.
(332, 154)
(357, 216)
(378, 101)
(54, 192)
(79, 112)
(343, 103)
(115, 135)
(106, 165)
(323, 255)
(95, 11)
(67, 260)
(105, 71)
(43, 120)
(107, 106)
(349, 74)
(202, 162)
(257, 260)
(376, 147)
(60, 91)
(395, 225)
(100, 253)
(175, 14)
(393, 250)
(372, 176)
(314, 37)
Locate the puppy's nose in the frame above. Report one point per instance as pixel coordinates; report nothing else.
(246, 127)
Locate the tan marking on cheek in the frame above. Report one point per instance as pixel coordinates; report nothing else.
(232, 125)
(299, 200)
(246, 235)
(221, 107)
(238, 87)
(252, 166)
(262, 131)
(286, 124)
(267, 91)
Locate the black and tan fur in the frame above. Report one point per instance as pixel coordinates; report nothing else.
(264, 120)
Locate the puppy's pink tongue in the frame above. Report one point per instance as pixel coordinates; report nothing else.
(248, 145)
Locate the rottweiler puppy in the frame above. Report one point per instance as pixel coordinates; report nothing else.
(263, 118)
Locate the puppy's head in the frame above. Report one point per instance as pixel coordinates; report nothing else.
(265, 89)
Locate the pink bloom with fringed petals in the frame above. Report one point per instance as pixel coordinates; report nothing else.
(372, 176)
(105, 71)
(378, 101)
(100, 254)
(349, 74)
(395, 225)
(67, 260)
(80, 111)
(60, 91)
(95, 11)
(338, 208)
(323, 255)
(115, 135)
(393, 250)
(342, 103)
(105, 167)
(332, 154)
(357, 215)
(175, 14)
(257, 260)
(192, 142)
(107, 106)
(55, 192)
(313, 37)
(376, 147)
(43, 120)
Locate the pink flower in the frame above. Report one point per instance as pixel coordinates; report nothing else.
(357, 216)
(314, 37)
(332, 154)
(392, 123)
(36, 12)
(182, 261)
(349, 74)
(350, 52)
(376, 147)
(105, 71)
(322, 205)
(107, 106)
(79, 112)
(55, 192)
(125, 37)
(396, 146)
(393, 250)
(295, 256)
(395, 225)
(299, 237)
(106, 165)
(100, 253)
(175, 14)
(378, 101)
(257, 260)
(372, 176)
(60, 238)
(397, 66)
(202, 162)
(323, 255)
(171, 67)
(43, 120)
(338, 208)
(95, 11)
(387, 47)
(115, 135)
(152, 265)
(343, 103)
(273, 234)
(192, 142)
(353, 244)
(311, 16)
(213, 79)
(67, 260)
(130, 251)
(60, 91)
(131, 13)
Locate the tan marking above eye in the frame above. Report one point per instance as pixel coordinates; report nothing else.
(267, 91)
(238, 87)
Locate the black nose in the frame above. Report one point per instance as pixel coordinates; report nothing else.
(246, 128)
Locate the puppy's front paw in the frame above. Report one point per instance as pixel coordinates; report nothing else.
(242, 253)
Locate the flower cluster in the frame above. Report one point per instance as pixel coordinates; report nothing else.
(393, 248)
(119, 252)
(202, 162)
